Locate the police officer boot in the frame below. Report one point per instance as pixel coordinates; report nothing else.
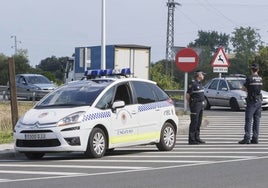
(198, 139)
(254, 140)
(191, 139)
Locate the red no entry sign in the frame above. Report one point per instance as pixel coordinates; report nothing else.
(186, 60)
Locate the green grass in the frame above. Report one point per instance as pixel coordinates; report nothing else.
(6, 137)
(6, 128)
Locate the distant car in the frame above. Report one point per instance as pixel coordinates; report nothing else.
(96, 115)
(226, 92)
(31, 86)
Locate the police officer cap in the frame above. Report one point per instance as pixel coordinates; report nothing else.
(255, 66)
(199, 72)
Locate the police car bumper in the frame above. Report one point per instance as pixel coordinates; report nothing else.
(56, 139)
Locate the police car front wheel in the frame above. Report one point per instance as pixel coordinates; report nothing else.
(167, 138)
(97, 143)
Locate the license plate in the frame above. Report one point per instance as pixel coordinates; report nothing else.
(36, 136)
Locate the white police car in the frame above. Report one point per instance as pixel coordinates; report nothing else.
(95, 115)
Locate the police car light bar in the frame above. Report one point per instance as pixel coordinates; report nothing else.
(97, 73)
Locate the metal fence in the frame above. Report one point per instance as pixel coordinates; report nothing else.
(3, 94)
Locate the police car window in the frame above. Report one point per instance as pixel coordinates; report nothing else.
(106, 100)
(214, 84)
(161, 94)
(123, 93)
(144, 93)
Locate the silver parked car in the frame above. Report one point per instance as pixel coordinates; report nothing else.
(226, 92)
(31, 86)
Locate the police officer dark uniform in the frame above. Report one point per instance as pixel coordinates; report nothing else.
(253, 86)
(195, 97)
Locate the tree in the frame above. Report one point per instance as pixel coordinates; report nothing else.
(212, 40)
(262, 59)
(158, 74)
(21, 65)
(245, 42)
(54, 65)
(3, 69)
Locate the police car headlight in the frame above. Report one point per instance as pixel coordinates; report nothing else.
(71, 119)
(19, 123)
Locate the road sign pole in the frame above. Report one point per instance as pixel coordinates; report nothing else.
(185, 90)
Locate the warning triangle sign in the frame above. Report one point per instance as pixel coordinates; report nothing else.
(220, 59)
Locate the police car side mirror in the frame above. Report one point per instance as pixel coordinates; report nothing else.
(118, 104)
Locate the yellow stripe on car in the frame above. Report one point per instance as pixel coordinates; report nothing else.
(134, 137)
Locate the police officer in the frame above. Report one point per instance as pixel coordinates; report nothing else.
(195, 97)
(253, 86)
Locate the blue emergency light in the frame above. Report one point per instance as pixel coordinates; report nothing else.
(97, 73)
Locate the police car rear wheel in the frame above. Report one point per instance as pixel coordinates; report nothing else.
(97, 143)
(167, 138)
(34, 156)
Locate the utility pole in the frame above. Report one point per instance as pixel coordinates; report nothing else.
(170, 32)
(15, 44)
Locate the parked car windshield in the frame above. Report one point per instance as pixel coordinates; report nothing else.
(73, 95)
(235, 84)
(37, 80)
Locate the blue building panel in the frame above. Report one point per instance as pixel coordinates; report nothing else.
(77, 68)
(95, 54)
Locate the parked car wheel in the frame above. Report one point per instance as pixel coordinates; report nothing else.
(206, 104)
(97, 143)
(167, 138)
(234, 104)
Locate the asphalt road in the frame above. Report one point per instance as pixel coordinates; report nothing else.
(221, 162)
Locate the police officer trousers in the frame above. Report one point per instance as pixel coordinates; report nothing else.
(252, 113)
(196, 109)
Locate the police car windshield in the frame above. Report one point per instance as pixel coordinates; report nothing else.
(72, 96)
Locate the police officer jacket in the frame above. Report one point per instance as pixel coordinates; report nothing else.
(196, 91)
(254, 85)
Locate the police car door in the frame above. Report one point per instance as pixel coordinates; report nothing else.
(124, 122)
(149, 111)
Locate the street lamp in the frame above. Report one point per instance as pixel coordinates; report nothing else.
(103, 36)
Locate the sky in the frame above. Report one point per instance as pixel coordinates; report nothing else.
(55, 27)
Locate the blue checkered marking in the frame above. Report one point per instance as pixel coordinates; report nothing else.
(152, 106)
(98, 115)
